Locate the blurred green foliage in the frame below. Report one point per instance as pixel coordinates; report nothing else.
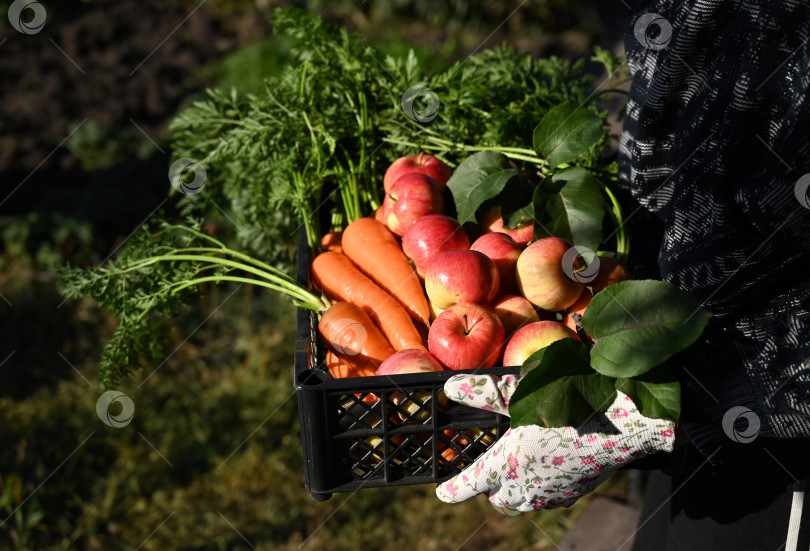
(246, 69)
(43, 241)
(99, 147)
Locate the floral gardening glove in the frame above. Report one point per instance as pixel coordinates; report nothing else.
(532, 467)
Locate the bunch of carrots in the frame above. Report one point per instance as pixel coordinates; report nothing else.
(383, 308)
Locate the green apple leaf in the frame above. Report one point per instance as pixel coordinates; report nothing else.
(598, 390)
(566, 132)
(516, 203)
(636, 325)
(543, 193)
(558, 388)
(657, 393)
(571, 206)
(578, 209)
(478, 178)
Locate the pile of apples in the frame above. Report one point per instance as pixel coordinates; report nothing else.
(494, 300)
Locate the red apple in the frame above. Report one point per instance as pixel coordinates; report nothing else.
(466, 336)
(610, 272)
(431, 235)
(514, 312)
(531, 338)
(504, 252)
(542, 277)
(461, 276)
(409, 361)
(492, 222)
(409, 199)
(422, 164)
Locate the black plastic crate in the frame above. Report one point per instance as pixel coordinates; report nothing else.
(368, 432)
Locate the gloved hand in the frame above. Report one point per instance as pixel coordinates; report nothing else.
(532, 467)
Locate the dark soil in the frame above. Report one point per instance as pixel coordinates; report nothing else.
(113, 69)
(83, 99)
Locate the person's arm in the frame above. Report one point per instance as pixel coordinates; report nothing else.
(716, 137)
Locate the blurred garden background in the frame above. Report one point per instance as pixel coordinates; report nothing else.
(212, 459)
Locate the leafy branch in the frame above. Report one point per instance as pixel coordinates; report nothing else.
(635, 326)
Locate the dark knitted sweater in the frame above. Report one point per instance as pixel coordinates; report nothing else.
(716, 137)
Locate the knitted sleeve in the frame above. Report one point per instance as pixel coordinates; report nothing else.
(715, 143)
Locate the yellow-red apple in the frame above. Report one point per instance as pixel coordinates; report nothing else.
(461, 276)
(531, 338)
(434, 312)
(542, 277)
(431, 235)
(421, 163)
(504, 252)
(514, 312)
(466, 336)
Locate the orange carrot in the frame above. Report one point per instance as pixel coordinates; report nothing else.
(341, 367)
(348, 331)
(338, 278)
(375, 250)
(447, 453)
(332, 242)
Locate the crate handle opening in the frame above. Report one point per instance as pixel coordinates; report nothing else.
(311, 377)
